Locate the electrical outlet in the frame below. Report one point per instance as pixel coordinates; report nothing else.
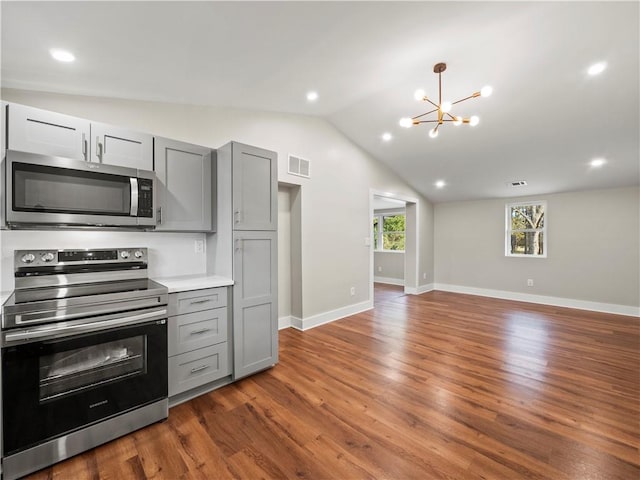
(199, 246)
(424, 276)
(530, 282)
(353, 291)
(379, 269)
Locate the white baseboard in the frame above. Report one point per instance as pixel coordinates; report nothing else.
(543, 299)
(331, 316)
(284, 322)
(421, 289)
(389, 280)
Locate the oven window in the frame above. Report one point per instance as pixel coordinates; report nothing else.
(38, 188)
(63, 373)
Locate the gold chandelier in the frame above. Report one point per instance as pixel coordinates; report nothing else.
(443, 109)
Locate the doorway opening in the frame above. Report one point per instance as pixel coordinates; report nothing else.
(394, 257)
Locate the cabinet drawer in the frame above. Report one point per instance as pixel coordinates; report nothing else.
(190, 370)
(191, 331)
(197, 300)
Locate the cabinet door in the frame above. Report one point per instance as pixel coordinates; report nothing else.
(3, 129)
(49, 133)
(118, 146)
(185, 186)
(255, 188)
(255, 302)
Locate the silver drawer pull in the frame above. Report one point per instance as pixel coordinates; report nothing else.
(197, 369)
(198, 332)
(195, 302)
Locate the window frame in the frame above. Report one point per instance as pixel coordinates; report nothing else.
(509, 231)
(380, 232)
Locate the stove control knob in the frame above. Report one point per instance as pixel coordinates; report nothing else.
(125, 254)
(47, 257)
(138, 254)
(28, 258)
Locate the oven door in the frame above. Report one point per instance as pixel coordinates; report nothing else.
(54, 386)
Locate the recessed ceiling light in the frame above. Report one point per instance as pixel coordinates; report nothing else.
(386, 136)
(312, 96)
(440, 184)
(597, 68)
(62, 55)
(598, 162)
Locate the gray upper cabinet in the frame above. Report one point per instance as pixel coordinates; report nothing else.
(186, 175)
(3, 129)
(49, 133)
(117, 146)
(255, 188)
(255, 305)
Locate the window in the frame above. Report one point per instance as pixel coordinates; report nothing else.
(388, 231)
(526, 230)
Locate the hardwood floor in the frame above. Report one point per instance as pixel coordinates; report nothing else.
(435, 386)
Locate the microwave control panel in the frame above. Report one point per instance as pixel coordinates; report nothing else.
(145, 197)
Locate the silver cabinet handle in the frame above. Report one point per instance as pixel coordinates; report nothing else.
(196, 302)
(99, 149)
(200, 368)
(84, 147)
(198, 332)
(159, 216)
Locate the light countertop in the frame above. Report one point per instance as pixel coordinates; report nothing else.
(193, 282)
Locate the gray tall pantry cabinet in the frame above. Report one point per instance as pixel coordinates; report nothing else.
(255, 256)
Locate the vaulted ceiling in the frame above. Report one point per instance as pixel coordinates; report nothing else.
(546, 120)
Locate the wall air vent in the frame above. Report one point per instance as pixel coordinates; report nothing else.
(299, 166)
(519, 183)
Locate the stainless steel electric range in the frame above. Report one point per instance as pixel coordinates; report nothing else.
(84, 354)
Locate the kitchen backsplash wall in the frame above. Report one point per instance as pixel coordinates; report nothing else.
(170, 254)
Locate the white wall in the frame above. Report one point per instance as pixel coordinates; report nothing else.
(335, 201)
(284, 252)
(389, 266)
(170, 254)
(593, 249)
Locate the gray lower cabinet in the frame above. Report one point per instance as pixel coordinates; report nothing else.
(186, 175)
(255, 306)
(197, 338)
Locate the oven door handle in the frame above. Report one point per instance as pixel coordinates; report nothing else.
(68, 329)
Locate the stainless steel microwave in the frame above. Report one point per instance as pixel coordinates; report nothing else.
(45, 191)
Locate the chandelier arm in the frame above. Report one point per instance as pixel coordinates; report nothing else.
(423, 114)
(465, 98)
(426, 121)
(434, 104)
(453, 119)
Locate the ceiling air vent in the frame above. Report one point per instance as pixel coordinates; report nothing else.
(519, 183)
(299, 166)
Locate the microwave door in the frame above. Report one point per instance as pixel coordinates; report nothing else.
(58, 191)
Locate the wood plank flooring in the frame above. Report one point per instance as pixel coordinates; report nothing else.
(435, 386)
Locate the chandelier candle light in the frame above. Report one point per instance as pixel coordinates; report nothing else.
(443, 109)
